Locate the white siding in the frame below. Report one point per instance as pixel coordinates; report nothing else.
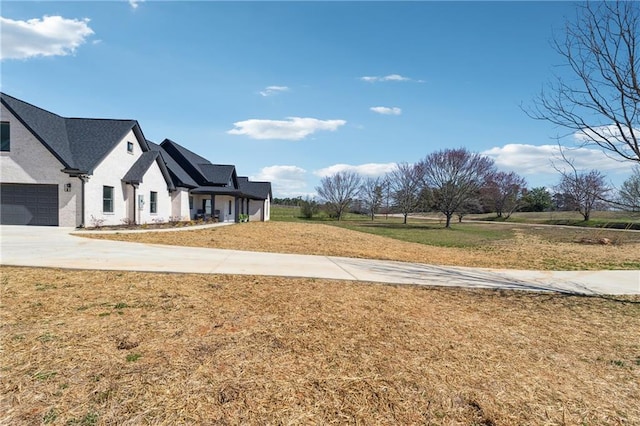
(222, 204)
(28, 161)
(180, 204)
(259, 210)
(110, 173)
(255, 210)
(267, 210)
(154, 181)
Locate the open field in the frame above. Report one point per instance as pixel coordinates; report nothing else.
(599, 219)
(87, 347)
(474, 244)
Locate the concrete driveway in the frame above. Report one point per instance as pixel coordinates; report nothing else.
(57, 247)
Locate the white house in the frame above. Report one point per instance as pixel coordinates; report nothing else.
(85, 172)
(215, 189)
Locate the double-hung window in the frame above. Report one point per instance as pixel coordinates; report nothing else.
(107, 199)
(153, 202)
(5, 145)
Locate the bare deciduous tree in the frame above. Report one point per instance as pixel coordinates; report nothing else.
(585, 190)
(629, 194)
(503, 191)
(371, 193)
(601, 105)
(455, 176)
(405, 181)
(339, 190)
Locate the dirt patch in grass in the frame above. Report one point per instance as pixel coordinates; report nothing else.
(525, 251)
(87, 347)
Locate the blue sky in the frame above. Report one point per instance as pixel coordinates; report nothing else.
(292, 91)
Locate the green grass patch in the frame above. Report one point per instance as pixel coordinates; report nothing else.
(133, 357)
(598, 219)
(44, 375)
(424, 232)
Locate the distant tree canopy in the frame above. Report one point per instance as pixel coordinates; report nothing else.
(287, 201)
(630, 192)
(459, 182)
(455, 176)
(536, 200)
(339, 190)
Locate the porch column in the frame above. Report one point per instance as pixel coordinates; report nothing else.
(213, 205)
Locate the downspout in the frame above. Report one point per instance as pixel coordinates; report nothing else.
(82, 180)
(135, 222)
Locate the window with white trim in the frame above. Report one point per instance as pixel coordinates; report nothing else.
(130, 147)
(107, 199)
(153, 202)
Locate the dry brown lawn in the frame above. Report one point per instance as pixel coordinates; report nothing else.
(87, 347)
(522, 252)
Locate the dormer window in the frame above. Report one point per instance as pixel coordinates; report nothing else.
(130, 147)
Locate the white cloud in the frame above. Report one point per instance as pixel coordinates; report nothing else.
(610, 132)
(135, 3)
(49, 36)
(386, 110)
(273, 90)
(366, 170)
(390, 77)
(532, 159)
(293, 128)
(286, 181)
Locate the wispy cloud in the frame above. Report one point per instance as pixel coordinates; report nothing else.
(608, 134)
(293, 128)
(386, 110)
(135, 3)
(286, 181)
(273, 90)
(49, 36)
(539, 159)
(366, 170)
(390, 77)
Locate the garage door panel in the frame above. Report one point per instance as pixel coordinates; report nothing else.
(28, 204)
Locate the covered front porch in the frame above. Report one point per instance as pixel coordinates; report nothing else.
(221, 205)
(215, 203)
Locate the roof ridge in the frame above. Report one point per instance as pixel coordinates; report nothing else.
(99, 119)
(30, 104)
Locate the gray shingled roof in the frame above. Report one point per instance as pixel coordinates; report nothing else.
(216, 190)
(189, 161)
(199, 168)
(256, 190)
(79, 143)
(178, 175)
(135, 174)
(217, 174)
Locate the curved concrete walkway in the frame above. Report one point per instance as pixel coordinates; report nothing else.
(57, 247)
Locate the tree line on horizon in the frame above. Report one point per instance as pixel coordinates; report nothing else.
(457, 182)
